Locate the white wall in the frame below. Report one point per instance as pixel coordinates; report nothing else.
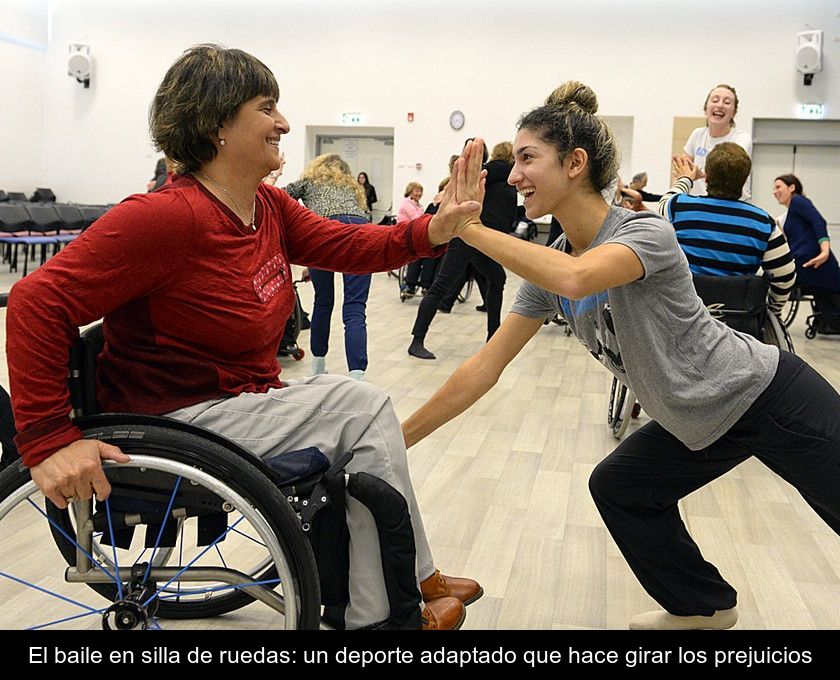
(492, 59)
(23, 39)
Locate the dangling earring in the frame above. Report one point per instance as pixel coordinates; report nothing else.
(222, 142)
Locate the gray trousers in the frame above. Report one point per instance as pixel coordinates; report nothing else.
(336, 415)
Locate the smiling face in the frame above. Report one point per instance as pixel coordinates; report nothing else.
(416, 194)
(720, 107)
(537, 174)
(783, 192)
(252, 136)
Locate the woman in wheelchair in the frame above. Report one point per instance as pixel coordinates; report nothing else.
(816, 265)
(194, 284)
(716, 397)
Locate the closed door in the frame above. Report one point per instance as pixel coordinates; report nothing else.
(818, 167)
(372, 155)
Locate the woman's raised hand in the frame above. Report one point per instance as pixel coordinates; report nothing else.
(463, 196)
(685, 167)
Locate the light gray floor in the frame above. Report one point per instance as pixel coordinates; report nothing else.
(503, 488)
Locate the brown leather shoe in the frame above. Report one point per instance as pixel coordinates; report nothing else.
(438, 585)
(444, 613)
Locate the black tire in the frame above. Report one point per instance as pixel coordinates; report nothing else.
(789, 310)
(235, 472)
(620, 408)
(297, 317)
(776, 333)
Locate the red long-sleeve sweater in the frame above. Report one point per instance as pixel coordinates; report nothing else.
(194, 302)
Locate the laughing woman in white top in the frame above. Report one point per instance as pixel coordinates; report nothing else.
(720, 108)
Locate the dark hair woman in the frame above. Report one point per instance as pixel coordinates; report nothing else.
(816, 267)
(194, 284)
(716, 397)
(369, 189)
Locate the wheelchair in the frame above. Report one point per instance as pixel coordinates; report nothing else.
(289, 342)
(738, 301)
(224, 534)
(402, 274)
(813, 322)
(789, 311)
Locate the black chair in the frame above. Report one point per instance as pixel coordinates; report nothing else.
(45, 224)
(72, 222)
(738, 301)
(42, 195)
(91, 213)
(17, 196)
(741, 303)
(3, 196)
(14, 227)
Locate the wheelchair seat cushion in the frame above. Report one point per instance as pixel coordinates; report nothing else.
(293, 466)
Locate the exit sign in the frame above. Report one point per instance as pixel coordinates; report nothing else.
(351, 118)
(810, 110)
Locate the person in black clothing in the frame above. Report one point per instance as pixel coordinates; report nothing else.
(498, 212)
(639, 183)
(370, 191)
(7, 431)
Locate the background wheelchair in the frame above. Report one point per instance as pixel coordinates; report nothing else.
(195, 527)
(813, 324)
(738, 301)
(463, 294)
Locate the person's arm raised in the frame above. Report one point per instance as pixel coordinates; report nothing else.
(605, 266)
(472, 379)
(463, 196)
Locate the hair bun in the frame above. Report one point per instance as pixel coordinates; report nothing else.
(574, 92)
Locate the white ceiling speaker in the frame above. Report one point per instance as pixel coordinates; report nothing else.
(809, 54)
(79, 63)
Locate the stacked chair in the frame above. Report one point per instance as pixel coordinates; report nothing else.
(30, 224)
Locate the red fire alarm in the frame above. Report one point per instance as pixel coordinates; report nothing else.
(410, 117)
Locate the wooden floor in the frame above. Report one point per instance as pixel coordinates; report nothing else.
(503, 488)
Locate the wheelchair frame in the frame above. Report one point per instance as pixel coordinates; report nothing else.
(463, 294)
(180, 473)
(194, 462)
(622, 405)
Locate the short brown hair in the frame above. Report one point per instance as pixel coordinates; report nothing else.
(503, 151)
(727, 168)
(200, 92)
(411, 186)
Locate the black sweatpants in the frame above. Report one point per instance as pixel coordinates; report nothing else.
(793, 428)
(451, 270)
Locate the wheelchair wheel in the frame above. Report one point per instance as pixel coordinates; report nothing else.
(789, 310)
(297, 317)
(776, 333)
(294, 325)
(620, 409)
(402, 274)
(219, 535)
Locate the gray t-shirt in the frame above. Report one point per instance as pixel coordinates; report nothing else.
(691, 373)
